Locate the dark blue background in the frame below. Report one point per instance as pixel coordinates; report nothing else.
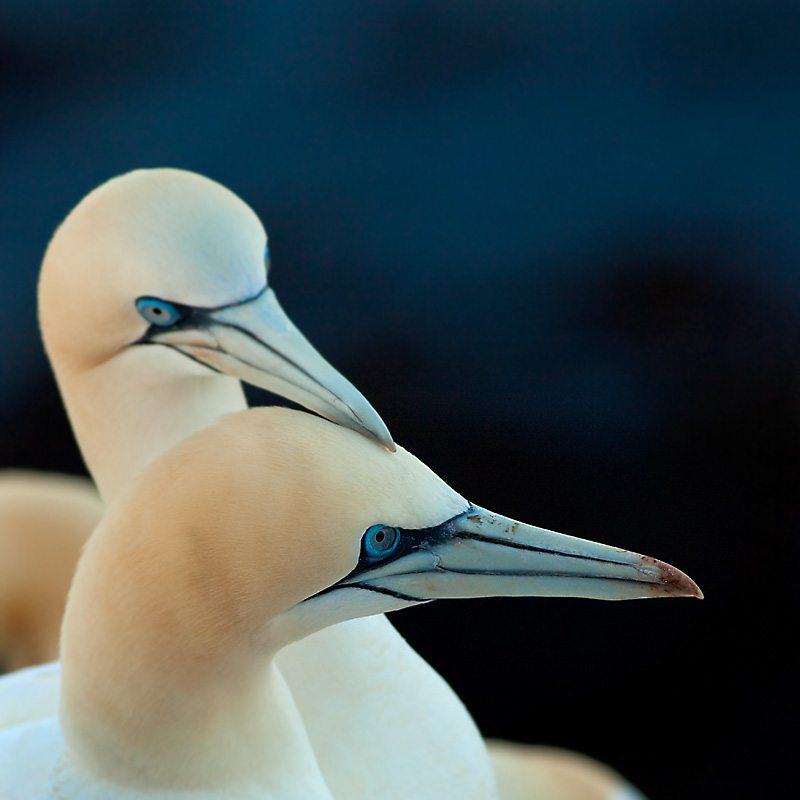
(556, 245)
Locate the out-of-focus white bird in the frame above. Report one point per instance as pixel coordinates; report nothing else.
(44, 521)
(254, 533)
(526, 772)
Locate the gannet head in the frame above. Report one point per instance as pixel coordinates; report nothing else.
(170, 258)
(297, 524)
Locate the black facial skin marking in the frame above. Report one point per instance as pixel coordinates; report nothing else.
(379, 590)
(191, 317)
(413, 540)
(197, 318)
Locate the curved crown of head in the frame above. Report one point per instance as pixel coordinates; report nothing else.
(163, 233)
(279, 499)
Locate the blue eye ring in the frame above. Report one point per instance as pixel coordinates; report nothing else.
(380, 541)
(158, 312)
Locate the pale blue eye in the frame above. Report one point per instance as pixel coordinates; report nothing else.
(158, 312)
(381, 541)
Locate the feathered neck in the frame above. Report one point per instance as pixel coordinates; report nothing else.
(168, 676)
(133, 408)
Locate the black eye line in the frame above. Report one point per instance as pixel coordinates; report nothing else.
(411, 540)
(189, 316)
(185, 308)
(236, 302)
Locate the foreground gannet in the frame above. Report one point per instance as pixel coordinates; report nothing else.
(256, 532)
(44, 521)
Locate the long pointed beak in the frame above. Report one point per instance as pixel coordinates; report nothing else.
(482, 554)
(256, 342)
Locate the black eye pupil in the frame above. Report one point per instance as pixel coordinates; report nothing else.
(379, 537)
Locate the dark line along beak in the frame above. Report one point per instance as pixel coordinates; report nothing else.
(482, 554)
(257, 343)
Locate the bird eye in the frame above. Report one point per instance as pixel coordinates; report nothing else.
(158, 312)
(381, 541)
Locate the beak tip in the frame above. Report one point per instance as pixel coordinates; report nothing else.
(378, 431)
(676, 583)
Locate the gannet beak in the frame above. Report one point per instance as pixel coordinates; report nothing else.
(482, 554)
(256, 342)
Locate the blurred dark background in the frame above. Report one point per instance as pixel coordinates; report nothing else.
(556, 244)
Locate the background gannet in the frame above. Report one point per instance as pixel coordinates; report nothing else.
(44, 521)
(526, 772)
(253, 533)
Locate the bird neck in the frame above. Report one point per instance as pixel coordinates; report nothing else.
(131, 409)
(167, 687)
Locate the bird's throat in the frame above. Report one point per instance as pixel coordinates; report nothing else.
(130, 410)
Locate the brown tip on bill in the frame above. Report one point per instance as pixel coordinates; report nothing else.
(673, 582)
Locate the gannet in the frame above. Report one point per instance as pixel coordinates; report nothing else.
(44, 521)
(143, 298)
(254, 533)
